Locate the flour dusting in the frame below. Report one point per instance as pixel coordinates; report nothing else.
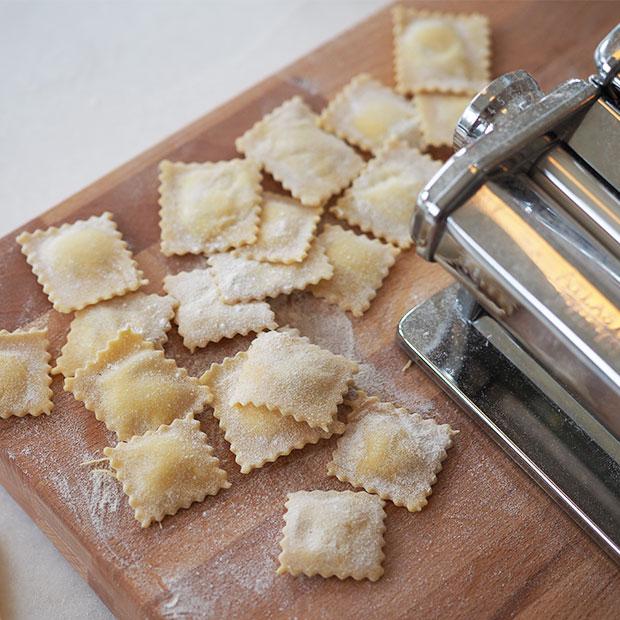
(221, 582)
(324, 324)
(105, 496)
(330, 327)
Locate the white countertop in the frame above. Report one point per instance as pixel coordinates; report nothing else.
(85, 87)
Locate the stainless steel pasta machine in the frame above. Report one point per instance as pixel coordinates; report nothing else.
(526, 217)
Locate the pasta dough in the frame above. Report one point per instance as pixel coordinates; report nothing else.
(82, 263)
(168, 469)
(333, 533)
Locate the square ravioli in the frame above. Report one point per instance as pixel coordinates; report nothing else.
(24, 373)
(256, 435)
(439, 115)
(241, 279)
(132, 387)
(388, 451)
(383, 198)
(286, 231)
(309, 162)
(366, 113)
(93, 327)
(208, 207)
(288, 374)
(165, 470)
(360, 266)
(82, 263)
(440, 52)
(333, 534)
(202, 315)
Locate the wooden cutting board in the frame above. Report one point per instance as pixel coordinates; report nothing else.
(489, 544)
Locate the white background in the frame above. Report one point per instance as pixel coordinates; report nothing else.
(84, 86)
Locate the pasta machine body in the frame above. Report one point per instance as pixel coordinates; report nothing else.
(526, 217)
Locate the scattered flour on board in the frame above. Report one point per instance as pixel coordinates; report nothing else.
(380, 382)
(254, 576)
(324, 324)
(331, 328)
(92, 496)
(95, 498)
(104, 498)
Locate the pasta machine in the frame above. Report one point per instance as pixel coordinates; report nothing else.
(526, 217)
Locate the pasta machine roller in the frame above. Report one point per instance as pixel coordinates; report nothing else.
(526, 217)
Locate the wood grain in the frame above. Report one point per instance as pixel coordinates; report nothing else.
(490, 544)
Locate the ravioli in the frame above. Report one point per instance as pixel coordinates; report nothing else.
(333, 533)
(288, 374)
(82, 263)
(388, 451)
(382, 199)
(366, 113)
(24, 373)
(208, 207)
(440, 52)
(286, 231)
(132, 387)
(439, 115)
(93, 327)
(256, 434)
(309, 162)
(167, 469)
(360, 265)
(241, 279)
(202, 315)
